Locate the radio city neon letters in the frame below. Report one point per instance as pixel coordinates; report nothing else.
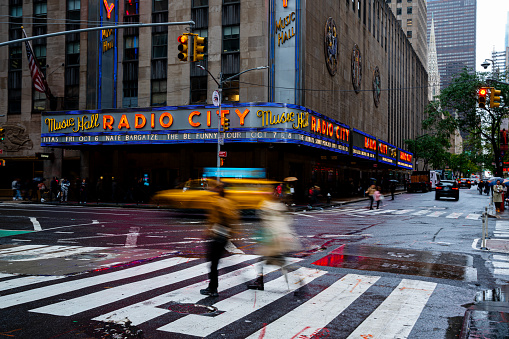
(405, 156)
(370, 143)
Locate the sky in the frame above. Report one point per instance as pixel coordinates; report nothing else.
(491, 21)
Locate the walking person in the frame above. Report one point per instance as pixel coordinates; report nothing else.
(16, 189)
(54, 187)
(64, 183)
(480, 186)
(222, 220)
(393, 189)
(370, 192)
(276, 238)
(498, 189)
(83, 191)
(378, 196)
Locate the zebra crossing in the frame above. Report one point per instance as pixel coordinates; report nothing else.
(115, 296)
(501, 261)
(362, 212)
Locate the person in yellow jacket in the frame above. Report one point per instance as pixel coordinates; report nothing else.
(222, 220)
(370, 192)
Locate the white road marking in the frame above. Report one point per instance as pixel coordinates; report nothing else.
(24, 281)
(238, 306)
(48, 252)
(21, 248)
(132, 237)
(421, 212)
(399, 312)
(70, 286)
(473, 216)
(435, 214)
(104, 297)
(37, 225)
(402, 211)
(230, 247)
(320, 310)
(454, 215)
(148, 309)
(6, 275)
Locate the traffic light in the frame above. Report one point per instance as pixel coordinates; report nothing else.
(198, 48)
(482, 97)
(495, 97)
(222, 161)
(2, 134)
(2, 162)
(226, 124)
(184, 46)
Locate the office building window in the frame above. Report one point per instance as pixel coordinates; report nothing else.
(409, 22)
(409, 10)
(408, 34)
(72, 56)
(398, 11)
(131, 55)
(15, 54)
(39, 46)
(159, 71)
(231, 39)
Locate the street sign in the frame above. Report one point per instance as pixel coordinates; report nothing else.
(221, 140)
(222, 154)
(215, 98)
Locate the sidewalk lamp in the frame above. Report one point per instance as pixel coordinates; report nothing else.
(220, 83)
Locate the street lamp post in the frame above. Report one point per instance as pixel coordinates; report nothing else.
(220, 90)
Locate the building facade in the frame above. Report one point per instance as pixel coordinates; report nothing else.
(412, 16)
(342, 92)
(455, 34)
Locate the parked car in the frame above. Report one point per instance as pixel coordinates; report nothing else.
(447, 188)
(464, 182)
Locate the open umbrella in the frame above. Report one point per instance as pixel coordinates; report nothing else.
(505, 182)
(395, 181)
(493, 181)
(291, 179)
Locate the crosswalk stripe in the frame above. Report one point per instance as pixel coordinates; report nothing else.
(6, 275)
(397, 315)
(307, 319)
(51, 252)
(454, 215)
(435, 214)
(422, 212)
(235, 307)
(473, 216)
(52, 290)
(104, 297)
(402, 212)
(24, 281)
(21, 248)
(148, 309)
(382, 211)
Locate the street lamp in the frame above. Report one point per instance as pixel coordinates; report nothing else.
(220, 89)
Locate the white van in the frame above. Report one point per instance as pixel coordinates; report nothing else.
(434, 177)
(475, 179)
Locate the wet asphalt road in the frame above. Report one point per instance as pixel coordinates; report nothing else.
(413, 245)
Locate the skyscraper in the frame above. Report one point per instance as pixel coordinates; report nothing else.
(433, 74)
(455, 33)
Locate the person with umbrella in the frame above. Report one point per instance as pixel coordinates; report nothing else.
(498, 189)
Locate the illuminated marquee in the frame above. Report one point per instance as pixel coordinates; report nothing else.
(281, 25)
(387, 153)
(363, 145)
(405, 159)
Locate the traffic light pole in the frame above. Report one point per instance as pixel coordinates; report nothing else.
(220, 90)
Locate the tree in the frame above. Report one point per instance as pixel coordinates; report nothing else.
(459, 100)
(432, 146)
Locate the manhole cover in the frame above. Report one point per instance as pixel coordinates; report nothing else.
(192, 308)
(82, 256)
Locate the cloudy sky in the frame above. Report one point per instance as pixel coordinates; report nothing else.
(491, 21)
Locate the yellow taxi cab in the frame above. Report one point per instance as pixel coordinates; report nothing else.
(196, 194)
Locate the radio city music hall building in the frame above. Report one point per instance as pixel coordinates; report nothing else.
(342, 91)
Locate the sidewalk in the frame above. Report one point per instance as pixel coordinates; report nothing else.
(488, 316)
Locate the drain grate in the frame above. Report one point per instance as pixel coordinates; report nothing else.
(192, 309)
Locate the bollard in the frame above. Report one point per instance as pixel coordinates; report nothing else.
(484, 229)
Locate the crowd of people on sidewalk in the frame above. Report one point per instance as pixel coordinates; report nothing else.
(80, 190)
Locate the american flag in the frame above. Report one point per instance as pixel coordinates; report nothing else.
(40, 83)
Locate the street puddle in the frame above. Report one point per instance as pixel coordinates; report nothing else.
(401, 261)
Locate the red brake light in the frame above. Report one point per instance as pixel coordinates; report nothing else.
(455, 188)
(439, 187)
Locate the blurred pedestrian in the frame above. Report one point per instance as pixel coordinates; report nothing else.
(16, 189)
(480, 186)
(276, 238)
(54, 189)
(370, 192)
(497, 195)
(83, 191)
(378, 196)
(393, 189)
(222, 221)
(64, 189)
